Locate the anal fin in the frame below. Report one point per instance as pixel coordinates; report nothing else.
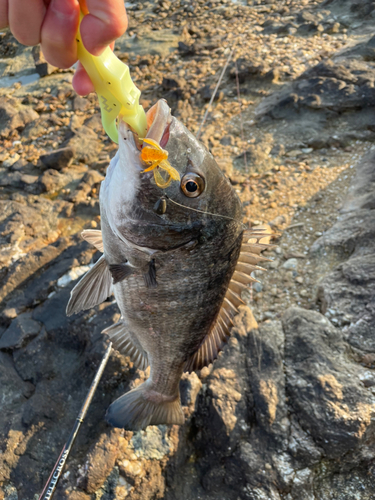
(93, 289)
(125, 343)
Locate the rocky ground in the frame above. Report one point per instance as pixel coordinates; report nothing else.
(287, 412)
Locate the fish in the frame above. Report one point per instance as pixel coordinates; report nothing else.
(175, 255)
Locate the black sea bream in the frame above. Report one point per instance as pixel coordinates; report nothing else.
(176, 260)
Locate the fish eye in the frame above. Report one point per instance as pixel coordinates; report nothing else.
(192, 185)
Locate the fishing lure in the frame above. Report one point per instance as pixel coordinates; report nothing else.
(119, 100)
(156, 157)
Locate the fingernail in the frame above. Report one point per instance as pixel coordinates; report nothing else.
(64, 8)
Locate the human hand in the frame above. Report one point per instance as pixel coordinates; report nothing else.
(54, 24)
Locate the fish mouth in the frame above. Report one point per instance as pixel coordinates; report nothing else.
(159, 119)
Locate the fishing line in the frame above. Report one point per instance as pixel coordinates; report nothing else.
(214, 94)
(200, 211)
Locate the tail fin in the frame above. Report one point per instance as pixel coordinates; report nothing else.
(143, 406)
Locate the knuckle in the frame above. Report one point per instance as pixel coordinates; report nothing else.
(119, 27)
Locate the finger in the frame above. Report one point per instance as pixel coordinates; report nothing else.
(105, 22)
(58, 35)
(25, 20)
(3, 14)
(81, 81)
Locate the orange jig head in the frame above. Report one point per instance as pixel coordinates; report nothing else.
(154, 156)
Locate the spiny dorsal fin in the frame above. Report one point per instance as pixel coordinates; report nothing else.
(253, 242)
(93, 289)
(94, 237)
(125, 343)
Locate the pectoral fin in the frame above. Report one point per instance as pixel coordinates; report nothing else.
(120, 271)
(93, 289)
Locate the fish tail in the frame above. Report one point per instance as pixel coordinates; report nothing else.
(144, 406)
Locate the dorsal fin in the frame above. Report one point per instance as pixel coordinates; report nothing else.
(94, 237)
(253, 242)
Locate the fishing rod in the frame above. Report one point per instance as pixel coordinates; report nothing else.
(53, 479)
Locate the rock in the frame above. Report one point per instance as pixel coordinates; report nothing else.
(333, 88)
(11, 160)
(19, 165)
(361, 193)
(186, 50)
(22, 329)
(94, 122)
(170, 83)
(189, 389)
(247, 68)
(323, 385)
(13, 115)
(80, 103)
(100, 462)
(14, 391)
(290, 264)
(350, 288)
(226, 165)
(43, 68)
(206, 93)
(50, 181)
(267, 378)
(224, 393)
(84, 142)
(58, 159)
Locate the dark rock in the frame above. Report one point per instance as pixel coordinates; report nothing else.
(170, 83)
(58, 159)
(43, 68)
(267, 378)
(25, 267)
(361, 194)
(206, 93)
(51, 314)
(41, 406)
(13, 115)
(323, 385)
(186, 50)
(22, 329)
(335, 90)
(14, 391)
(19, 165)
(248, 68)
(41, 286)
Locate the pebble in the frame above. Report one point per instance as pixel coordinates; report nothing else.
(10, 161)
(290, 264)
